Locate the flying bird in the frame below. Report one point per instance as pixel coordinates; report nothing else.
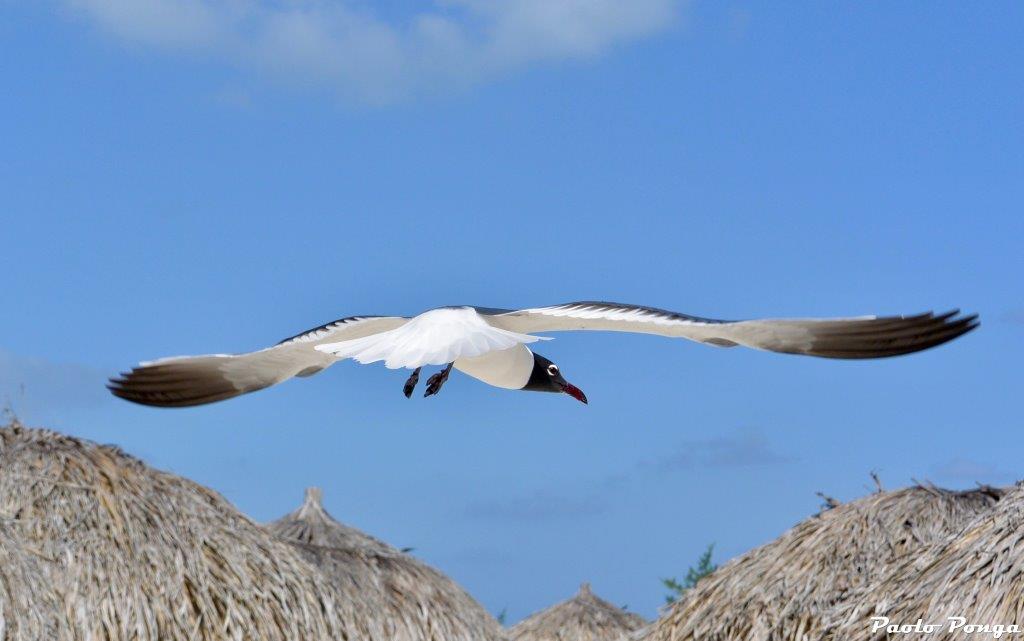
(491, 345)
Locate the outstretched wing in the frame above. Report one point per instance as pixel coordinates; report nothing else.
(436, 337)
(862, 337)
(182, 381)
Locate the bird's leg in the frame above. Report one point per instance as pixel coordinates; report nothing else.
(435, 382)
(410, 384)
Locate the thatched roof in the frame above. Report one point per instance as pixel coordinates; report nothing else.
(978, 575)
(784, 589)
(135, 553)
(29, 607)
(584, 617)
(387, 595)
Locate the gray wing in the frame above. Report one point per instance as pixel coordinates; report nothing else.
(183, 381)
(861, 337)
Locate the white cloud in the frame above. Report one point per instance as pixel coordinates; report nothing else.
(344, 45)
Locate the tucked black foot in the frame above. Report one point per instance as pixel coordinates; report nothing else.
(435, 382)
(410, 384)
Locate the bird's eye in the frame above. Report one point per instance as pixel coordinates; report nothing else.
(552, 370)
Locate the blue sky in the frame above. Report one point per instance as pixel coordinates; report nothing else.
(176, 177)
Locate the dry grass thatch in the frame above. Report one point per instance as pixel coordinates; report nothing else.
(784, 589)
(978, 575)
(29, 607)
(134, 553)
(584, 617)
(387, 595)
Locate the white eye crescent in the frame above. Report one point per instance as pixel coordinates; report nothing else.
(552, 369)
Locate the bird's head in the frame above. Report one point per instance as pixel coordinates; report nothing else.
(546, 377)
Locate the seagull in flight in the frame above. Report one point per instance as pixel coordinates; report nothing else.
(490, 345)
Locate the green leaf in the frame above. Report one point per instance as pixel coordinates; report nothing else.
(694, 574)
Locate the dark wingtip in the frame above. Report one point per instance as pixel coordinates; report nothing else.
(171, 385)
(894, 336)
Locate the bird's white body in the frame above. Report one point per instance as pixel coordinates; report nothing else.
(508, 368)
(435, 337)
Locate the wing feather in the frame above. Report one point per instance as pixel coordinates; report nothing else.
(183, 381)
(851, 338)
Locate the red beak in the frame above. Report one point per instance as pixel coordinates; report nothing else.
(574, 392)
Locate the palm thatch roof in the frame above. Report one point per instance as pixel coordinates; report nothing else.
(386, 595)
(584, 617)
(978, 575)
(784, 589)
(29, 607)
(133, 553)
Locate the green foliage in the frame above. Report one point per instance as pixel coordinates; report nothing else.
(695, 573)
(502, 616)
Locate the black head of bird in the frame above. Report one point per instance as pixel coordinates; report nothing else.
(546, 377)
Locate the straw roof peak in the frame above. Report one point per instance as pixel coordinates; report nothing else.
(312, 507)
(314, 497)
(388, 594)
(583, 617)
(312, 524)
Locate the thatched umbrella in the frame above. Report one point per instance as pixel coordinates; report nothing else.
(978, 575)
(30, 608)
(386, 595)
(138, 554)
(784, 589)
(584, 617)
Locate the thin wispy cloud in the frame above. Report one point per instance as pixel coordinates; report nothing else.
(363, 54)
(36, 387)
(744, 448)
(1014, 316)
(233, 97)
(969, 471)
(739, 23)
(538, 505)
